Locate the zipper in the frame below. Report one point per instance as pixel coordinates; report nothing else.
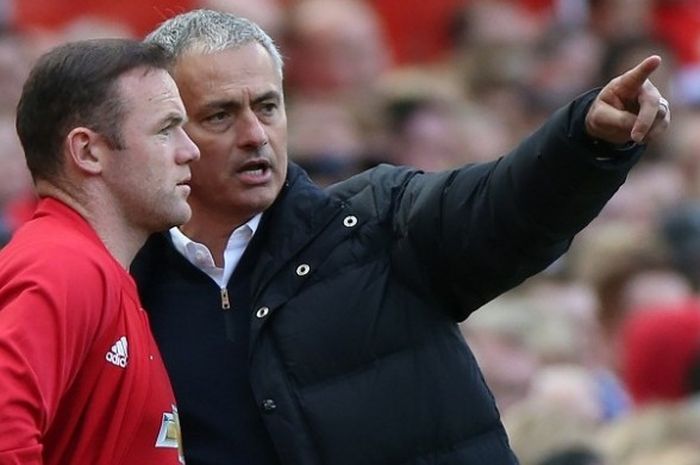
(225, 302)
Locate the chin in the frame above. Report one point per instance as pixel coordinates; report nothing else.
(257, 207)
(183, 218)
(176, 217)
(264, 201)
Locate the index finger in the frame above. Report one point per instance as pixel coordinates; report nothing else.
(635, 77)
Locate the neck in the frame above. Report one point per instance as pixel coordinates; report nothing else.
(212, 230)
(121, 239)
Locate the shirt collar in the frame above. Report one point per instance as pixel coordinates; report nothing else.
(185, 245)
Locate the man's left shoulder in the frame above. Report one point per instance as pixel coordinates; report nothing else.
(380, 179)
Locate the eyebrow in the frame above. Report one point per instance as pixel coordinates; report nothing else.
(173, 119)
(228, 103)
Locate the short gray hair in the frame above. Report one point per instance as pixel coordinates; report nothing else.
(208, 31)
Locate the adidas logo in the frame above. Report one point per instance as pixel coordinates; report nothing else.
(118, 355)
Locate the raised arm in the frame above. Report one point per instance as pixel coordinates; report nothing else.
(482, 229)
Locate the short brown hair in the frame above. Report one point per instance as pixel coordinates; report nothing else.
(75, 85)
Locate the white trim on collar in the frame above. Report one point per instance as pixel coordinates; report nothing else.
(200, 256)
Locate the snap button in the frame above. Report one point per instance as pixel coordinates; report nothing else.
(350, 221)
(262, 312)
(268, 405)
(303, 269)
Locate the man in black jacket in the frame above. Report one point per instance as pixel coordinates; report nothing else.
(309, 326)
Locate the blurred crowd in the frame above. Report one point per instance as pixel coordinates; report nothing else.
(596, 361)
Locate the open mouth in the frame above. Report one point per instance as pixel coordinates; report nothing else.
(255, 168)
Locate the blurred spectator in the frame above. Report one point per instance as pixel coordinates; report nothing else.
(654, 188)
(628, 266)
(138, 16)
(677, 454)
(621, 52)
(667, 434)
(569, 385)
(619, 19)
(424, 133)
(269, 14)
(569, 333)
(529, 347)
(487, 22)
(680, 229)
(15, 61)
(684, 149)
(660, 351)
(93, 27)
(334, 48)
(419, 31)
(567, 65)
(15, 181)
(482, 133)
(326, 139)
(499, 336)
(495, 56)
(428, 124)
(541, 426)
(573, 456)
(677, 23)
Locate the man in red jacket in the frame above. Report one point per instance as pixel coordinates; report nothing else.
(82, 380)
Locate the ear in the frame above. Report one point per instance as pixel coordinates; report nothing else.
(86, 150)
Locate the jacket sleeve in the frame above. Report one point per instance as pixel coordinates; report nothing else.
(49, 314)
(482, 229)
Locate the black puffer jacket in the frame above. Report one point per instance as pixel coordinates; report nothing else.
(355, 357)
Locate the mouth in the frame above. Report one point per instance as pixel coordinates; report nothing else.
(184, 185)
(255, 171)
(255, 167)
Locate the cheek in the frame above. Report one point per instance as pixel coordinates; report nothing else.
(211, 172)
(214, 152)
(200, 172)
(278, 140)
(206, 140)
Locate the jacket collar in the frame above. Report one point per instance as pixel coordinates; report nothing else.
(298, 215)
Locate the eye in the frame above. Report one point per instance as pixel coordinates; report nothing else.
(219, 116)
(218, 121)
(165, 131)
(268, 109)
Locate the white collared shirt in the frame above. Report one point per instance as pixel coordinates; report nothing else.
(200, 256)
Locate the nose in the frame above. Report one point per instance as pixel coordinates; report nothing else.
(187, 151)
(250, 132)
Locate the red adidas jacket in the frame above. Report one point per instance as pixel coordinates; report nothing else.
(81, 379)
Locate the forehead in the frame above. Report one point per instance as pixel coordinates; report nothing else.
(149, 91)
(213, 75)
